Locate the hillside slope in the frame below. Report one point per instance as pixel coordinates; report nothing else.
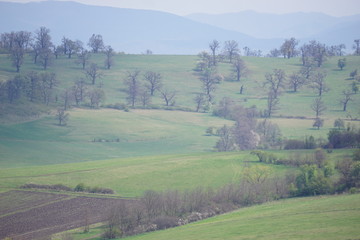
(328, 217)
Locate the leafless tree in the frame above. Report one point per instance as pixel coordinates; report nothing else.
(83, 57)
(168, 96)
(318, 123)
(288, 48)
(93, 73)
(318, 107)
(272, 104)
(96, 96)
(109, 60)
(356, 46)
(208, 80)
(275, 81)
(133, 87)
(96, 43)
(43, 46)
(200, 101)
(226, 141)
(71, 47)
(145, 97)
(20, 42)
(318, 83)
(231, 49)
(346, 99)
(214, 46)
(154, 82)
(47, 83)
(239, 68)
(79, 91)
(204, 62)
(244, 135)
(67, 97)
(62, 117)
(296, 81)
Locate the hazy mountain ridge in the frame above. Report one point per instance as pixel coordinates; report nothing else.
(135, 31)
(266, 25)
(127, 30)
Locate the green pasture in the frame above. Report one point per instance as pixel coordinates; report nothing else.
(326, 217)
(105, 134)
(178, 74)
(130, 177)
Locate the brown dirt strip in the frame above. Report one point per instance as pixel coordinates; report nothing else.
(41, 220)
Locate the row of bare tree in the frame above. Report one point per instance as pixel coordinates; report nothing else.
(40, 46)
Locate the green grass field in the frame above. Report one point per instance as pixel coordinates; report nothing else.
(26, 140)
(130, 177)
(326, 217)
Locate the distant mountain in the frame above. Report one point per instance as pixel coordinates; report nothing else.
(128, 30)
(304, 26)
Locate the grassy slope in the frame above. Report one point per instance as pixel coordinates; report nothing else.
(327, 217)
(132, 176)
(140, 133)
(152, 132)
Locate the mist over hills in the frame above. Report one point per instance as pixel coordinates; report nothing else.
(304, 26)
(135, 31)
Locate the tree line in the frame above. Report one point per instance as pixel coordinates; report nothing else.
(40, 47)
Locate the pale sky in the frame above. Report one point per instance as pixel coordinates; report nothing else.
(184, 7)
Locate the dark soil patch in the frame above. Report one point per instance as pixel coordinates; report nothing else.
(34, 215)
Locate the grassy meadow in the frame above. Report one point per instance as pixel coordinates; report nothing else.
(29, 134)
(154, 149)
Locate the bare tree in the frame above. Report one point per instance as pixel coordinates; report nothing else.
(318, 123)
(318, 83)
(239, 68)
(346, 99)
(214, 46)
(62, 117)
(200, 101)
(47, 83)
(96, 96)
(231, 49)
(168, 96)
(20, 42)
(79, 91)
(71, 47)
(83, 57)
(275, 81)
(356, 46)
(96, 43)
(272, 104)
(145, 97)
(226, 142)
(208, 81)
(154, 82)
(204, 62)
(43, 46)
(133, 87)
(288, 48)
(296, 81)
(93, 72)
(318, 107)
(67, 97)
(109, 60)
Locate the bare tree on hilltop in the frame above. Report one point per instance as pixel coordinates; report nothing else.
(288, 48)
(96, 43)
(133, 87)
(214, 46)
(231, 49)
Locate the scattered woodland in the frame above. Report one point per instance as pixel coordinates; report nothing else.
(226, 129)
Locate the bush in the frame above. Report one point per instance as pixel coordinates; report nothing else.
(165, 222)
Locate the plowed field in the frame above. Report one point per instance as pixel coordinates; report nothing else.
(34, 215)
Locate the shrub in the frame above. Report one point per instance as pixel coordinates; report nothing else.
(164, 222)
(80, 187)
